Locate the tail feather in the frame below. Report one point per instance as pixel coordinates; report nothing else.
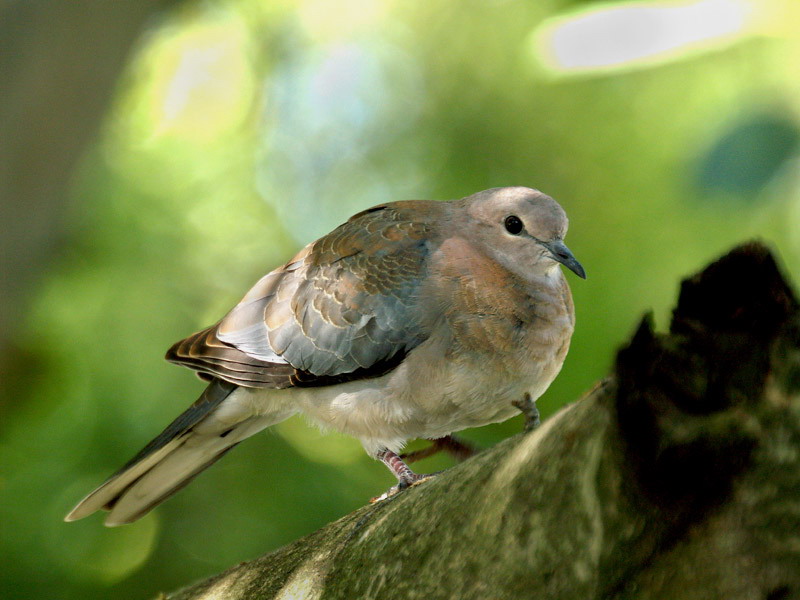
(175, 471)
(214, 394)
(128, 511)
(168, 477)
(195, 440)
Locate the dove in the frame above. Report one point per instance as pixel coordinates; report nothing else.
(413, 320)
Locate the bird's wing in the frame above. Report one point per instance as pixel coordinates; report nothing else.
(342, 308)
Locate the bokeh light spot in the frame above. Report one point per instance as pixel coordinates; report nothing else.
(88, 551)
(203, 81)
(748, 155)
(637, 34)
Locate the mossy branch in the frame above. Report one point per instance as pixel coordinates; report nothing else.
(676, 478)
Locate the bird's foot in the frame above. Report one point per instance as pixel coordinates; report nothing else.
(527, 406)
(458, 449)
(406, 478)
(402, 485)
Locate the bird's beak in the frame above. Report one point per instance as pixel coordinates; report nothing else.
(564, 255)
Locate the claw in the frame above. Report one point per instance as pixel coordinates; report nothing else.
(527, 406)
(401, 486)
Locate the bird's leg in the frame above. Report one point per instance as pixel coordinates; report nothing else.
(405, 476)
(527, 407)
(410, 457)
(458, 449)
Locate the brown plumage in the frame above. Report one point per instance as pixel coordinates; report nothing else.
(412, 319)
(339, 310)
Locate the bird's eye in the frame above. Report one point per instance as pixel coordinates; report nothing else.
(513, 224)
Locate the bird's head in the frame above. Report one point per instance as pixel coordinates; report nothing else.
(523, 229)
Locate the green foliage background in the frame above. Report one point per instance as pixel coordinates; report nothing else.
(244, 129)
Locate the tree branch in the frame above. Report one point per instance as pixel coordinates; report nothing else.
(678, 477)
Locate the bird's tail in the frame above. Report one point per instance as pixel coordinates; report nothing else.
(222, 417)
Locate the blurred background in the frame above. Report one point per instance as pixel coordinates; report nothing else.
(156, 158)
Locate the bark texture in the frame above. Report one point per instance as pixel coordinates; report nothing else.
(677, 477)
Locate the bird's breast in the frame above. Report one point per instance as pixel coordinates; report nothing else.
(488, 346)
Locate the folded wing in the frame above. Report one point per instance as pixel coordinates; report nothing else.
(343, 308)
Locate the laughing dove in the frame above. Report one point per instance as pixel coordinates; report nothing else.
(412, 320)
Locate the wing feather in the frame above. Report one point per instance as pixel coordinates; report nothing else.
(344, 307)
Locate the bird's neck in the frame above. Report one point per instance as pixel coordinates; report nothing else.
(491, 308)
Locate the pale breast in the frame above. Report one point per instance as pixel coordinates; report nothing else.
(466, 374)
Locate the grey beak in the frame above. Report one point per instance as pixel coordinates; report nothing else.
(564, 255)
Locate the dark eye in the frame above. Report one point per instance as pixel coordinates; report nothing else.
(513, 224)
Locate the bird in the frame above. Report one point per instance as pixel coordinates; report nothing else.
(413, 320)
